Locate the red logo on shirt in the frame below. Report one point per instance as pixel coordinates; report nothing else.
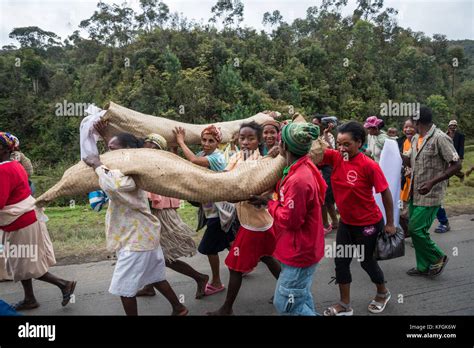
(351, 177)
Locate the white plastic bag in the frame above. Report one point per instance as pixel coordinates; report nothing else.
(88, 135)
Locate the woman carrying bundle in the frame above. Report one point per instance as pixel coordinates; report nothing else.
(271, 131)
(215, 239)
(133, 233)
(255, 240)
(176, 237)
(297, 218)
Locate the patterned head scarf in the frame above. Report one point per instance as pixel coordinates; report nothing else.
(17, 143)
(214, 131)
(158, 140)
(273, 123)
(299, 137)
(7, 140)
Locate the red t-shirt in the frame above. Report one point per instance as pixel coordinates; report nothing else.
(352, 183)
(13, 189)
(297, 215)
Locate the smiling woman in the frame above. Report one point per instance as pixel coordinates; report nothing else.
(271, 131)
(353, 180)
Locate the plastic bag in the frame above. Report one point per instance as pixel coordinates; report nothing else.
(390, 246)
(7, 310)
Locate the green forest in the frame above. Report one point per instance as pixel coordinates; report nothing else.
(162, 63)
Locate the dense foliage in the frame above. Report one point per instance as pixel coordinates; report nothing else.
(160, 63)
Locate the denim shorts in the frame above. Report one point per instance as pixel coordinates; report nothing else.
(293, 291)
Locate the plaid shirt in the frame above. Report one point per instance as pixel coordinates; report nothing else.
(432, 159)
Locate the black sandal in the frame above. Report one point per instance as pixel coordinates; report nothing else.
(67, 295)
(415, 272)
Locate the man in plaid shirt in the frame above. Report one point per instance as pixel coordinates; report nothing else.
(434, 160)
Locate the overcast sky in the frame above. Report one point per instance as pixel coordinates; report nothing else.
(453, 18)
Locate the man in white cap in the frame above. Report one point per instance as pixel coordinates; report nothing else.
(458, 142)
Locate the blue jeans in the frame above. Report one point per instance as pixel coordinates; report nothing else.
(442, 217)
(293, 291)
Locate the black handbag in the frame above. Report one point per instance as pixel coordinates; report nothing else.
(390, 246)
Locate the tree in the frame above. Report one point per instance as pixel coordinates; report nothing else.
(228, 84)
(34, 37)
(155, 14)
(440, 109)
(231, 12)
(111, 25)
(367, 9)
(272, 19)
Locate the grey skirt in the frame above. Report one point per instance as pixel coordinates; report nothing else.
(176, 237)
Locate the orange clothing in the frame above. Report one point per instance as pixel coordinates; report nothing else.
(405, 193)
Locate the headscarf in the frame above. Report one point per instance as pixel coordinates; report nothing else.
(17, 143)
(273, 123)
(158, 140)
(214, 131)
(372, 121)
(299, 137)
(7, 140)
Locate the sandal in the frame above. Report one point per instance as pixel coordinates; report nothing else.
(332, 311)
(378, 307)
(211, 290)
(415, 272)
(22, 305)
(67, 295)
(436, 269)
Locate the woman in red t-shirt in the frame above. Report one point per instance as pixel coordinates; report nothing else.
(24, 232)
(353, 179)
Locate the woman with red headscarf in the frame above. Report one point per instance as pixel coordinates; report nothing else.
(19, 220)
(218, 234)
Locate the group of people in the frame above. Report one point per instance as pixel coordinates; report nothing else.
(283, 228)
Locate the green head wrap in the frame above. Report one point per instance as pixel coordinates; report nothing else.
(299, 137)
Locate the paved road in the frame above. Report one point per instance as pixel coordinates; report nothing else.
(450, 294)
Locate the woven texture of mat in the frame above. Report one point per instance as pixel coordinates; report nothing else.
(121, 119)
(169, 175)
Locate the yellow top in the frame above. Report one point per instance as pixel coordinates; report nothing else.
(250, 217)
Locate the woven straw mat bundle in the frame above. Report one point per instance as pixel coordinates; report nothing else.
(120, 119)
(169, 175)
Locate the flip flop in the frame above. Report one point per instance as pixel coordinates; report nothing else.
(437, 269)
(67, 295)
(211, 290)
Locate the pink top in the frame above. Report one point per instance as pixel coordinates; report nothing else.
(162, 202)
